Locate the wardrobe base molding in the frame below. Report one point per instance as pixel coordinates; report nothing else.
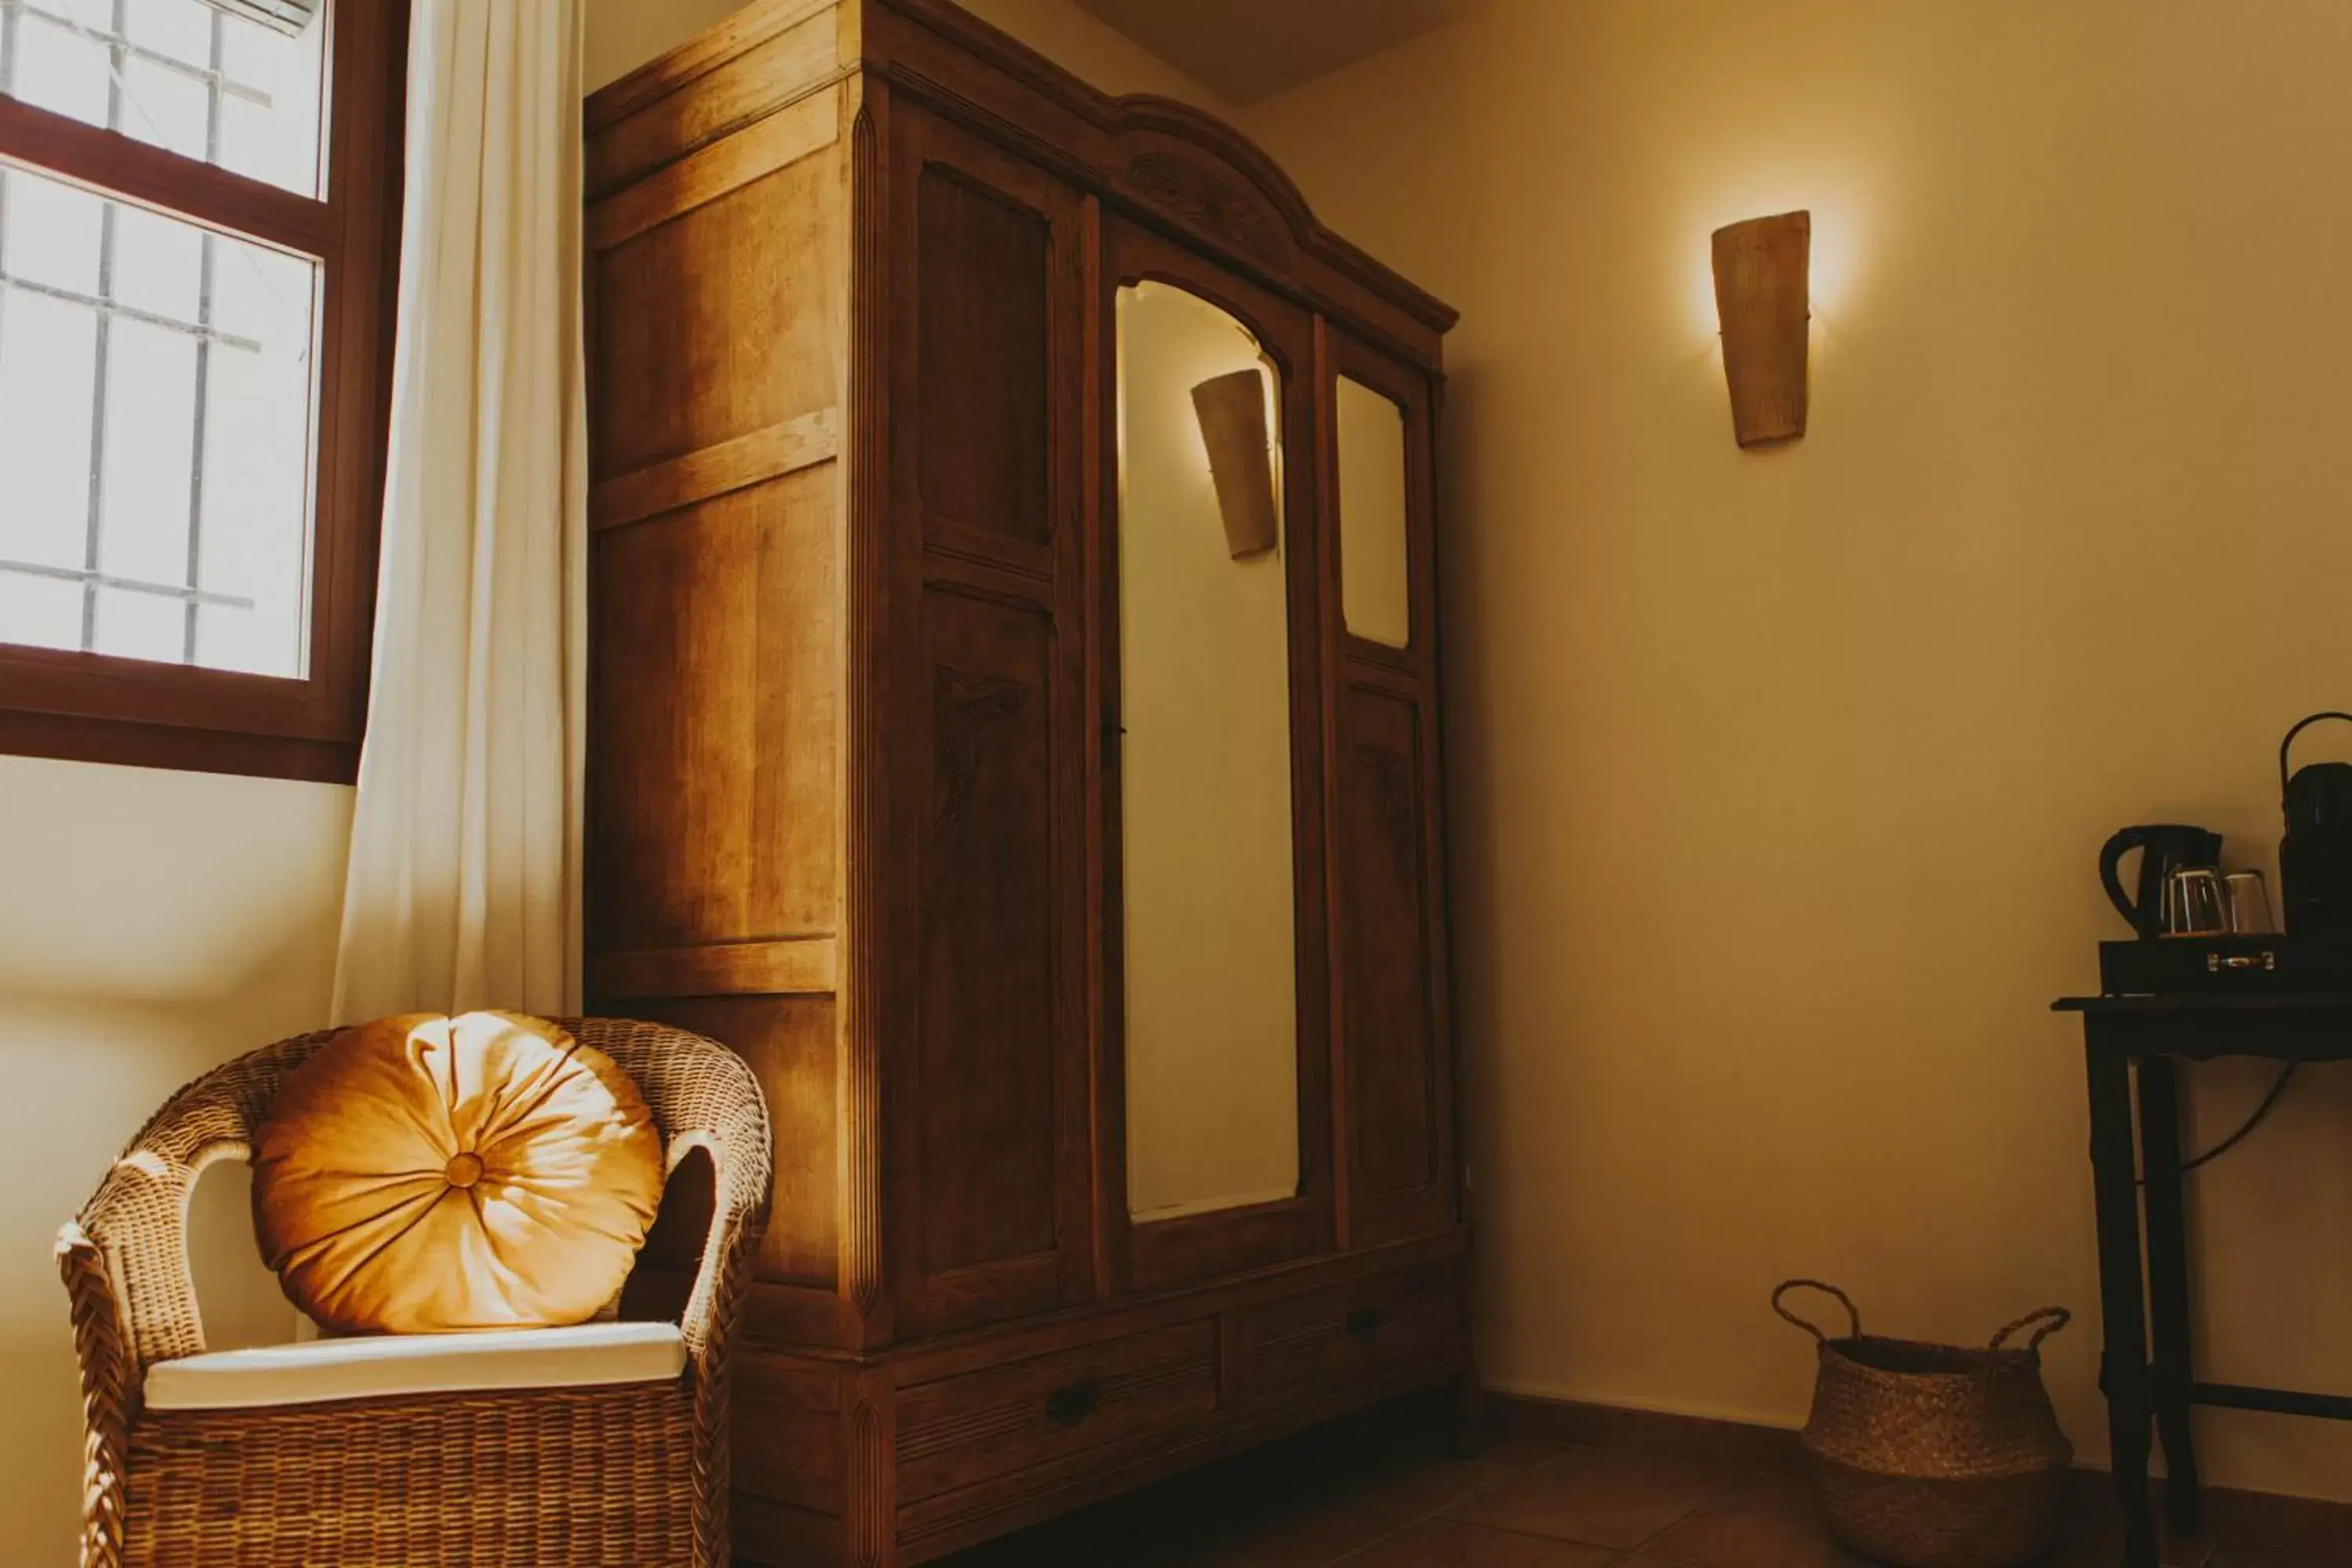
(956, 1441)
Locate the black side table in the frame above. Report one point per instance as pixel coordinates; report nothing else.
(2154, 1032)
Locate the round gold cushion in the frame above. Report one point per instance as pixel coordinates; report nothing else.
(424, 1175)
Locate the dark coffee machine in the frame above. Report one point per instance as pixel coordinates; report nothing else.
(2316, 857)
(2164, 848)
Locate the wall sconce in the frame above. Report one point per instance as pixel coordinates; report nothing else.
(1763, 299)
(1231, 411)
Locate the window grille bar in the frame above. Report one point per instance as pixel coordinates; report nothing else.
(204, 358)
(127, 585)
(94, 527)
(7, 86)
(106, 307)
(124, 49)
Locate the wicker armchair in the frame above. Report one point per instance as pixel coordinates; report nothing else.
(629, 1474)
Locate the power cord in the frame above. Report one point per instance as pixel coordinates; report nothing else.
(2261, 1113)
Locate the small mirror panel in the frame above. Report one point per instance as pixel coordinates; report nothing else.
(1375, 578)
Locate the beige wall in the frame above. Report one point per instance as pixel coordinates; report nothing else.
(1102, 54)
(1778, 778)
(153, 924)
(622, 35)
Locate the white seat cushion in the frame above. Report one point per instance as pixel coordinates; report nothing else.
(372, 1366)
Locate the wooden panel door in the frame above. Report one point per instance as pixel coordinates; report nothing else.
(1169, 1253)
(1393, 1068)
(985, 1048)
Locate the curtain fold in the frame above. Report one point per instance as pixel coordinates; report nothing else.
(463, 885)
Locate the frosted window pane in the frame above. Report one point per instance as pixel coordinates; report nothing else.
(170, 28)
(255, 540)
(165, 106)
(94, 15)
(194, 402)
(49, 233)
(262, 294)
(40, 612)
(260, 113)
(271, 118)
(59, 69)
(141, 626)
(150, 430)
(47, 362)
(158, 264)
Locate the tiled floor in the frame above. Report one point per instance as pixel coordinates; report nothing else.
(1381, 1492)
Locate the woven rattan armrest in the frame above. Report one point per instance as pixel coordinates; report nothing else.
(129, 1245)
(125, 1259)
(703, 1096)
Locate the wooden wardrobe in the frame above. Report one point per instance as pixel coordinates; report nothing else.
(1075, 886)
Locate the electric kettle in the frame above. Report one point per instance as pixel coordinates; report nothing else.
(2164, 848)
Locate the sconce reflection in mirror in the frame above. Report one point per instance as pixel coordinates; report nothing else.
(1231, 411)
(1763, 299)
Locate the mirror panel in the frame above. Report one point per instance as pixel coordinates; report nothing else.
(1375, 581)
(1211, 975)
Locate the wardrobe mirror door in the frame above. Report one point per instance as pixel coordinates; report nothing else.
(1210, 957)
(1375, 593)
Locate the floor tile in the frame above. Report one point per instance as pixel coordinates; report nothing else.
(1450, 1543)
(1602, 1499)
(1772, 1523)
(2291, 1525)
(1318, 1530)
(1441, 1480)
(1383, 1490)
(1185, 1523)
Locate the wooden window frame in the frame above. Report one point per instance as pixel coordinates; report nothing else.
(92, 707)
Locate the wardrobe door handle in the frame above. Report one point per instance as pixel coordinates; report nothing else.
(1068, 1407)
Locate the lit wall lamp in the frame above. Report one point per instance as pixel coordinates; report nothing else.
(1763, 299)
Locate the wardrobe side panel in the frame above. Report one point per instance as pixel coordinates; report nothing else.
(717, 342)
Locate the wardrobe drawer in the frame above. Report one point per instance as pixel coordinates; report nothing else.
(1318, 1344)
(960, 1431)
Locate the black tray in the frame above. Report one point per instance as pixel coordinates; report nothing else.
(2239, 965)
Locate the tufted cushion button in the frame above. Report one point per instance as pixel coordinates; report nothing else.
(465, 1170)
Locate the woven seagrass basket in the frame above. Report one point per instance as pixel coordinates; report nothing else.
(1934, 1456)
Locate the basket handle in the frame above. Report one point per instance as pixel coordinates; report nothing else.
(1853, 1315)
(2051, 1319)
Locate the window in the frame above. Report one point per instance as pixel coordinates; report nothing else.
(198, 224)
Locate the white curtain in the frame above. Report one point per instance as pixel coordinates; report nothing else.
(463, 885)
